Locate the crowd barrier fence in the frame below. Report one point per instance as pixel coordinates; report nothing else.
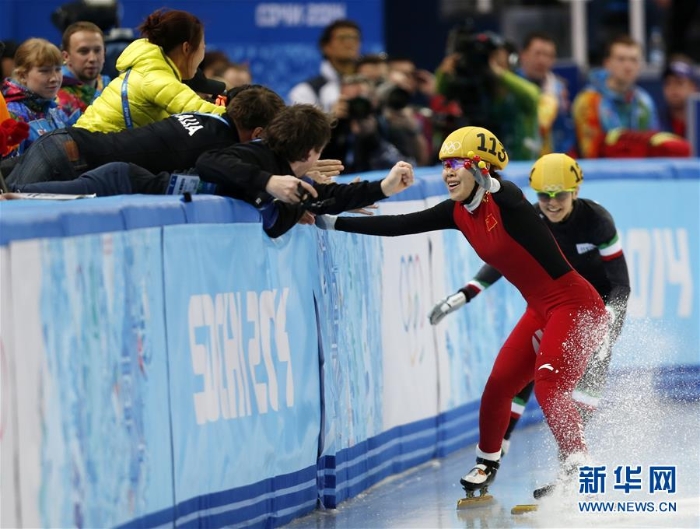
(165, 363)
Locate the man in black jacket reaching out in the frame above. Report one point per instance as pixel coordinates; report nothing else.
(170, 145)
(271, 173)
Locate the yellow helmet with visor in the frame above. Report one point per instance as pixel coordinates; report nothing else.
(469, 142)
(555, 173)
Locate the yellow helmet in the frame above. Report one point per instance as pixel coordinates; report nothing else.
(555, 172)
(480, 141)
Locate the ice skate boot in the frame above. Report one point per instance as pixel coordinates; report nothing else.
(478, 479)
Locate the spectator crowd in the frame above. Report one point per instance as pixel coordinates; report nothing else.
(62, 117)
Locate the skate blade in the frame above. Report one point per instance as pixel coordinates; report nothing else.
(522, 509)
(476, 501)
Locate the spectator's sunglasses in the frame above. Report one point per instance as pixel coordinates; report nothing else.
(559, 196)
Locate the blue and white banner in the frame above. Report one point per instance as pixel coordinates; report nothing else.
(348, 295)
(92, 406)
(410, 389)
(244, 370)
(279, 40)
(10, 498)
(660, 232)
(194, 373)
(468, 340)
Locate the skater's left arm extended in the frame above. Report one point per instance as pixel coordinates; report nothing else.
(438, 217)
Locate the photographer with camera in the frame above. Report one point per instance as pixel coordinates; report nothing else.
(272, 174)
(477, 73)
(402, 122)
(357, 139)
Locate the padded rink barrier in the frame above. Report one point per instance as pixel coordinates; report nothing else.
(166, 364)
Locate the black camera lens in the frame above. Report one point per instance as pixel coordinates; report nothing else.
(359, 108)
(398, 98)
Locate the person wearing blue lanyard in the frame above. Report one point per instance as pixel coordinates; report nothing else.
(150, 87)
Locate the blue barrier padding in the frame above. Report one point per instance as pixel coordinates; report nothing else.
(354, 469)
(37, 219)
(34, 219)
(40, 219)
(211, 209)
(415, 192)
(271, 502)
(679, 382)
(141, 211)
(349, 471)
(152, 520)
(600, 169)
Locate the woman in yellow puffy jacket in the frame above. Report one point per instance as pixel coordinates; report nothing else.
(150, 86)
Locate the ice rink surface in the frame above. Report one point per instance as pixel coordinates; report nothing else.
(631, 430)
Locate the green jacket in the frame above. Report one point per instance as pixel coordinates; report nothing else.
(514, 108)
(154, 91)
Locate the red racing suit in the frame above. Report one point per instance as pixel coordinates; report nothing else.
(506, 232)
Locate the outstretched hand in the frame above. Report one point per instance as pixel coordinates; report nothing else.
(366, 209)
(287, 188)
(326, 168)
(399, 178)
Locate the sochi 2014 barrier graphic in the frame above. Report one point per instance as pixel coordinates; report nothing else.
(244, 367)
(91, 379)
(410, 392)
(9, 499)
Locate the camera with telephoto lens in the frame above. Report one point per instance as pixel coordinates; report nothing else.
(473, 83)
(393, 96)
(360, 108)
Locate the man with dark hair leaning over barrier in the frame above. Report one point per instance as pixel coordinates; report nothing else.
(271, 173)
(173, 144)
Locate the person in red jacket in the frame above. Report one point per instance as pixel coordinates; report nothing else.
(507, 233)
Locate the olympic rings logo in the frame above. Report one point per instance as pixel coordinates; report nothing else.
(451, 147)
(411, 279)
